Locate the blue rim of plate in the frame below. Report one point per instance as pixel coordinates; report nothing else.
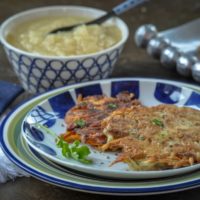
(91, 188)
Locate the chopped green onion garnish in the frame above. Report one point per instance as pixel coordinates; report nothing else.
(158, 122)
(83, 103)
(141, 137)
(163, 133)
(80, 123)
(45, 128)
(112, 106)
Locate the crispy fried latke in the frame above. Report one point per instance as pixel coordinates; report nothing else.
(148, 138)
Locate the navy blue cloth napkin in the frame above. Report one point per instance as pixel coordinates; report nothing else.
(8, 93)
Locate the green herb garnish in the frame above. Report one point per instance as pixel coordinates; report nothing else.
(75, 150)
(83, 103)
(112, 106)
(80, 123)
(158, 122)
(164, 133)
(141, 137)
(45, 128)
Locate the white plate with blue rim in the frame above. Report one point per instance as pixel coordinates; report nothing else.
(50, 113)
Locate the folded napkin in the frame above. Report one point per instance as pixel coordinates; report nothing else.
(8, 93)
(9, 171)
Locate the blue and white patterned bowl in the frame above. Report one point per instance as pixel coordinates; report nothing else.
(38, 73)
(51, 113)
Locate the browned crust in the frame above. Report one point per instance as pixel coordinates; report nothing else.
(149, 138)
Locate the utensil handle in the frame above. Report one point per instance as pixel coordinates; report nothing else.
(102, 19)
(126, 5)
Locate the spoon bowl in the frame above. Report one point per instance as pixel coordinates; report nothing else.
(95, 21)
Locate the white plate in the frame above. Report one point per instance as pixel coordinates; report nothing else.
(38, 166)
(52, 111)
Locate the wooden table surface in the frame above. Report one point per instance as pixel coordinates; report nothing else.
(133, 62)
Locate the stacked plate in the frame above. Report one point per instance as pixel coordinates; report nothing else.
(35, 150)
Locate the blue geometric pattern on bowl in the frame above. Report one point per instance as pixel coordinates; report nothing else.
(38, 75)
(150, 93)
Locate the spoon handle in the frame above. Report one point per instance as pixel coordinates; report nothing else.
(126, 5)
(102, 19)
(121, 8)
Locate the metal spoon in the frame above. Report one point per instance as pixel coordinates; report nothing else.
(119, 9)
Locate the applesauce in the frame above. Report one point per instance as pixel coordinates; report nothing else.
(33, 37)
